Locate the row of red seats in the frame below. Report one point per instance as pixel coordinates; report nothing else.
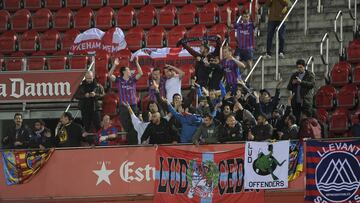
(33, 5)
(327, 97)
(106, 17)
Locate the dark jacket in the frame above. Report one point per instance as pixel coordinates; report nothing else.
(228, 134)
(16, 135)
(207, 134)
(262, 132)
(91, 103)
(276, 9)
(268, 108)
(70, 135)
(159, 134)
(306, 88)
(39, 138)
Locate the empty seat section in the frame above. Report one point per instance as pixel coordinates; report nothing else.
(142, 83)
(355, 117)
(353, 51)
(74, 4)
(68, 39)
(155, 37)
(124, 56)
(28, 42)
(83, 19)
(79, 61)
(53, 4)
(234, 12)
(4, 20)
(175, 35)
(32, 5)
(347, 96)
(63, 19)
(125, 17)
(8, 41)
(218, 29)
(178, 2)
(57, 61)
(136, 3)
(94, 4)
(41, 20)
(116, 3)
(134, 38)
(104, 18)
(49, 41)
(21, 20)
(146, 17)
(110, 102)
(187, 15)
(340, 74)
(339, 122)
(196, 31)
(322, 115)
(11, 5)
(157, 3)
(325, 97)
(15, 62)
(209, 14)
(167, 16)
(37, 61)
(101, 67)
(356, 75)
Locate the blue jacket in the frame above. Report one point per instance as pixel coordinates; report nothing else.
(189, 124)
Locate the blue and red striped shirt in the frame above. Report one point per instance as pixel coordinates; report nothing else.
(107, 132)
(245, 35)
(232, 71)
(127, 89)
(161, 89)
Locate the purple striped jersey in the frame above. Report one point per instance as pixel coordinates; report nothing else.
(161, 89)
(127, 89)
(245, 35)
(232, 71)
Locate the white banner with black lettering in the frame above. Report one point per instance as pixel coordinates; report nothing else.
(266, 165)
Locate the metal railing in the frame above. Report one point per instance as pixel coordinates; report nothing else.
(339, 38)
(310, 60)
(261, 58)
(277, 39)
(326, 59)
(353, 16)
(305, 17)
(319, 6)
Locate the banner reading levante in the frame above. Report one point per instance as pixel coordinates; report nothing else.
(21, 165)
(333, 171)
(184, 176)
(266, 165)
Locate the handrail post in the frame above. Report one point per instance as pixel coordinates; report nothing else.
(319, 6)
(250, 7)
(310, 60)
(261, 58)
(326, 60)
(305, 18)
(353, 16)
(339, 39)
(262, 73)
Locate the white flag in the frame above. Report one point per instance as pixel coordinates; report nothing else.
(266, 165)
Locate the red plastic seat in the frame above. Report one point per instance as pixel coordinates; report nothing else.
(142, 83)
(355, 117)
(134, 38)
(57, 61)
(178, 3)
(124, 56)
(11, 5)
(53, 4)
(79, 61)
(29, 41)
(41, 20)
(21, 20)
(187, 15)
(232, 39)
(83, 19)
(4, 20)
(101, 67)
(322, 115)
(63, 19)
(339, 121)
(110, 102)
(136, 3)
(218, 29)
(104, 18)
(32, 5)
(155, 37)
(125, 17)
(208, 14)
(8, 41)
(175, 35)
(340, 74)
(347, 96)
(94, 4)
(234, 12)
(68, 39)
(37, 61)
(353, 51)
(196, 31)
(157, 3)
(15, 64)
(167, 16)
(116, 3)
(74, 4)
(325, 97)
(49, 41)
(146, 17)
(189, 70)
(356, 75)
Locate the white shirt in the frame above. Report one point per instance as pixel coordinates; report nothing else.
(172, 86)
(139, 126)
